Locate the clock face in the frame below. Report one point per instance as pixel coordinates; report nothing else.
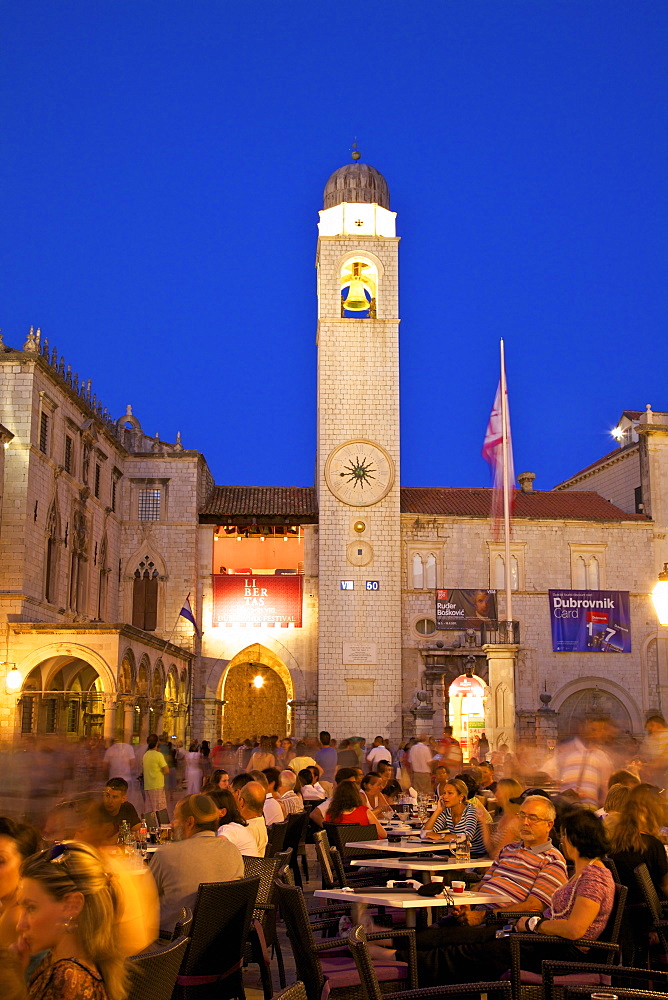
(359, 473)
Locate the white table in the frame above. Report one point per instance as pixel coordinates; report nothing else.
(423, 866)
(409, 901)
(407, 845)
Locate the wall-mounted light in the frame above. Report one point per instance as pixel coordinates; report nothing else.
(13, 679)
(660, 596)
(258, 681)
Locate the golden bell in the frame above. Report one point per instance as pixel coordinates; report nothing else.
(356, 299)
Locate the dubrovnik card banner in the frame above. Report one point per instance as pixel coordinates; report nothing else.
(590, 621)
(257, 600)
(465, 608)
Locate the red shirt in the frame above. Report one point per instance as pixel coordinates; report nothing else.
(358, 815)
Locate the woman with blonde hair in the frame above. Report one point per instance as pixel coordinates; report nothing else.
(69, 908)
(507, 829)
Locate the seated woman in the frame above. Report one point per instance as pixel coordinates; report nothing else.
(310, 789)
(347, 807)
(69, 907)
(455, 816)
(371, 786)
(441, 778)
(507, 828)
(615, 801)
(579, 909)
(232, 824)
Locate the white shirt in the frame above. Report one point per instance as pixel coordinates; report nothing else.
(241, 837)
(258, 828)
(377, 754)
(420, 758)
(120, 757)
(272, 810)
(311, 793)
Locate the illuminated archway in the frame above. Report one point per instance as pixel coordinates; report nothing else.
(250, 708)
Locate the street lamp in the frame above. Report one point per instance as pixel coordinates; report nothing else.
(660, 596)
(13, 680)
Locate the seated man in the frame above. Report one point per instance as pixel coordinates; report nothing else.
(252, 798)
(528, 872)
(115, 801)
(272, 809)
(197, 855)
(288, 799)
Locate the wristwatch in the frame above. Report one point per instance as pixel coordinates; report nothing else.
(533, 922)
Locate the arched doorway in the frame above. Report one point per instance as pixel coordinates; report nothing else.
(467, 710)
(63, 696)
(592, 703)
(256, 689)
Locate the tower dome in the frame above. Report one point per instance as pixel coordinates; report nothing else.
(357, 182)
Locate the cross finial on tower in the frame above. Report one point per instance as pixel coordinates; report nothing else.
(356, 153)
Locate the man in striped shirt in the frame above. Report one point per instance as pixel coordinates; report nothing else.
(528, 872)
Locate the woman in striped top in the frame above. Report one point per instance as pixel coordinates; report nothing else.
(455, 816)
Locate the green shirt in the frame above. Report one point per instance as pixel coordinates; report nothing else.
(153, 764)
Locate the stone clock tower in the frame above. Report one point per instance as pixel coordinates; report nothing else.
(359, 654)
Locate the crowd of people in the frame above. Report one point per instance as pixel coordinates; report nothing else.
(73, 907)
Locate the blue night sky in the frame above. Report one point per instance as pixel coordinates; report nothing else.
(162, 170)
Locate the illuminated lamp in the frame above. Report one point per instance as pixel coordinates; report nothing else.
(238, 538)
(617, 433)
(261, 538)
(258, 681)
(466, 685)
(660, 596)
(285, 538)
(13, 680)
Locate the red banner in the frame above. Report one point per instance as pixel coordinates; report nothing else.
(257, 600)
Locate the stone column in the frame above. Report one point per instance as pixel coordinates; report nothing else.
(128, 721)
(109, 717)
(500, 707)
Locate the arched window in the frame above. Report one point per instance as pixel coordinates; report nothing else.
(580, 574)
(145, 596)
(430, 572)
(500, 573)
(359, 289)
(51, 573)
(418, 572)
(593, 574)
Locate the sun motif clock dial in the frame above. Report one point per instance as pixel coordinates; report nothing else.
(359, 473)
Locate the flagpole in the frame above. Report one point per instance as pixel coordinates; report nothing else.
(173, 630)
(506, 487)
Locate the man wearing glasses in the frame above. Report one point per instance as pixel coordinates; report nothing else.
(528, 871)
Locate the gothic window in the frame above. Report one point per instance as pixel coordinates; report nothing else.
(115, 476)
(145, 596)
(418, 572)
(97, 480)
(500, 572)
(430, 572)
(587, 566)
(78, 560)
(51, 573)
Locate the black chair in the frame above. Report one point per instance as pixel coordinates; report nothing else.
(151, 819)
(357, 942)
(294, 836)
(529, 985)
(657, 909)
(152, 974)
(263, 930)
(616, 979)
(275, 838)
(183, 924)
(341, 834)
(212, 965)
(162, 815)
(329, 964)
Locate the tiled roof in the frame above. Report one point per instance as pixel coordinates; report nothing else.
(297, 503)
(615, 453)
(538, 504)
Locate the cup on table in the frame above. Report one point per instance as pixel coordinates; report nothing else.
(165, 833)
(458, 886)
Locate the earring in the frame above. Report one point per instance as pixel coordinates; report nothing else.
(69, 925)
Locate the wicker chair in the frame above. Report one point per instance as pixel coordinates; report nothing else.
(183, 924)
(295, 992)
(212, 965)
(152, 974)
(275, 838)
(264, 920)
(321, 963)
(529, 985)
(341, 834)
(619, 979)
(658, 924)
(357, 942)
